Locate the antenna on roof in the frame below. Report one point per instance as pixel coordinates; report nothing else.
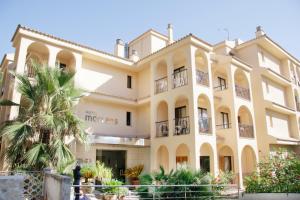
(225, 30)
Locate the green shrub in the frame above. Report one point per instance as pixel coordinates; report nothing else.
(103, 173)
(279, 173)
(115, 189)
(182, 176)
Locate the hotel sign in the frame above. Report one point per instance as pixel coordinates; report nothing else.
(91, 116)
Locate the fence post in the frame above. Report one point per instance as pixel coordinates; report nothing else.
(45, 171)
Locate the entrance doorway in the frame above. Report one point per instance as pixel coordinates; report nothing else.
(115, 159)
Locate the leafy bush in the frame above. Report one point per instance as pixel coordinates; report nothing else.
(279, 173)
(115, 189)
(103, 172)
(182, 176)
(88, 171)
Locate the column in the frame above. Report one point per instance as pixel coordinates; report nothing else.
(170, 71)
(53, 51)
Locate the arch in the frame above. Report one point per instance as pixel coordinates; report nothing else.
(204, 114)
(163, 157)
(37, 53)
(223, 118)
(207, 158)
(180, 75)
(182, 123)
(245, 122)
(248, 159)
(161, 70)
(182, 155)
(297, 100)
(162, 123)
(241, 84)
(65, 60)
(226, 158)
(201, 61)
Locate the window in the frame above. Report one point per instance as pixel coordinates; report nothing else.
(227, 163)
(180, 112)
(129, 85)
(225, 119)
(202, 113)
(128, 118)
(204, 163)
(222, 83)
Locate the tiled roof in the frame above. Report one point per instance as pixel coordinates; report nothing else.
(63, 40)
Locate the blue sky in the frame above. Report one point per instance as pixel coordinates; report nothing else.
(98, 23)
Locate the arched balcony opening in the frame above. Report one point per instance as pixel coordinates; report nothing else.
(65, 61)
(161, 77)
(162, 123)
(220, 79)
(297, 100)
(248, 161)
(226, 159)
(298, 75)
(180, 74)
(223, 118)
(182, 122)
(37, 54)
(206, 158)
(241, 85)
(245, 123)
(202, 77)
(204, 114)
(163, 158)
(182, 156)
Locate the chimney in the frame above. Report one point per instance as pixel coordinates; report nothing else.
(134, 56)
(259, 32)
(170, 33)
(119, 48)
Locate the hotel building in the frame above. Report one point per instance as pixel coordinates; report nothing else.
(163, 102)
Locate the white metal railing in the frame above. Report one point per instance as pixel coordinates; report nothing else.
(180, 78)
(202, 78)
(162, 128)
(182, 126)
(161, 85)
(161, 192)
(242, 92)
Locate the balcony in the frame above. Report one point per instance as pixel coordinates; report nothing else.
(246, 131)
(162, 128)
(223, 126)
(202, 78)
(242, 92)
(161, 85)
(204, 125)
(182, 126)
(180, 78)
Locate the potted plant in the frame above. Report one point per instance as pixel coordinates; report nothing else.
(88, 172)
(115, 191)
(102, 173)
(133, 174)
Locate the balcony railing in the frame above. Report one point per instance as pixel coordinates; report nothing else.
(246, 130)
(161, 85)
(220, 87)
(180, 78)
(204, 125)
(29, 71)
(202, 78)
(242, 92)
(162, 128)
(223, 126)
(182, 126)
(298, 106)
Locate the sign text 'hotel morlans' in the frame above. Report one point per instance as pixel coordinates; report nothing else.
(91, 116)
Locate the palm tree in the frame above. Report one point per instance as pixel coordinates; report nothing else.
(37, 137)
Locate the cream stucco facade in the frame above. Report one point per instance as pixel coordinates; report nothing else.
(166, 102)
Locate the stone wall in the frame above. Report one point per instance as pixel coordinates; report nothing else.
(273, 196)
(12, 187)
(57, 187)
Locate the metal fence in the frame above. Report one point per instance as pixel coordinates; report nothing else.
(33, 183)
(157, 192)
